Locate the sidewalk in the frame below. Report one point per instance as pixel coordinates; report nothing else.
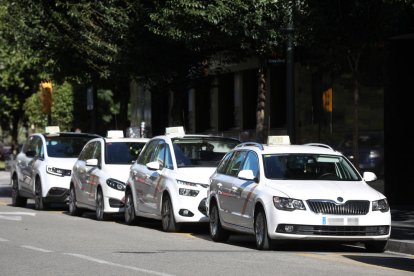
(402, 225)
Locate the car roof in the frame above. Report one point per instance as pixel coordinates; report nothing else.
(69, 134)
(127, 139)
(280, 149)
(184, 136)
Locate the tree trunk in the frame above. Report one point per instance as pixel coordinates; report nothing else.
(261, 103)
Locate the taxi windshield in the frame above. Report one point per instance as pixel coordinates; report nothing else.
(201, 151)
(122, 153)
(65, 146)
(308, 167)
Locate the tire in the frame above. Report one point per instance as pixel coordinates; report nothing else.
(129, 209)
(40, 204)
(100, 206)
(73, 209)
(167, 213)
(376, 246)
(263, 242)
(17, 200)
(217, 233)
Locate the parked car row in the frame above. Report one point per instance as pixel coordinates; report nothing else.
(275, 191)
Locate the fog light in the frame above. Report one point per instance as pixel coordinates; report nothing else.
(185, 213)
(382, 230)
(289, 228)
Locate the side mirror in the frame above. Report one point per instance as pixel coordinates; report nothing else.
(153, 165)
(92, 162)
(247, 175)
(369, 176)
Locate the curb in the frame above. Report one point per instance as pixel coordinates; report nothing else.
(406, 247)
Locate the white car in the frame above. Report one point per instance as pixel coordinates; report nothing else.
(100, 173)
(296, 192)
(43, 168)
(170, 179)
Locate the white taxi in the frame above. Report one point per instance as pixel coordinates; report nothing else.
(281, 192)
(43, 168)
(100, 173)
(170, 178)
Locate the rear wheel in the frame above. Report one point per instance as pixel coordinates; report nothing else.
(17, 200)
(73, 209)
(376, 246)
(168, 220)
(40, 204)
(217, 232)
(263, 242)
(100, 206)
(129, 210)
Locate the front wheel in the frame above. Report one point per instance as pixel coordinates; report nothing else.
(129, 210)
(168, 220)
(40, 204)
(73, 209)
(263, 242)
(100, 206)
(17, 200)
(217, 233)
(376, 246)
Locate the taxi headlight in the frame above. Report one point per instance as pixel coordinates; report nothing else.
(181, 182)
(288, 204)
(57, 171)
(188, 192)
(380, 205)
(116, 184)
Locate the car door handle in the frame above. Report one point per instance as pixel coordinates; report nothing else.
(234, 188)
(219, 185)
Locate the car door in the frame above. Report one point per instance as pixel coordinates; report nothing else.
(141, 177)
(93, 174)
(26, 162)
(227, 190)
(80, 172)
(243, 190)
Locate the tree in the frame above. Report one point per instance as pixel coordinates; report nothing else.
(231, 29)
(343, 36)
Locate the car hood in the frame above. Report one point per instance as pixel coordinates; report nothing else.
(196, 174)
(119, 172)
(62, 163)
(348, 190)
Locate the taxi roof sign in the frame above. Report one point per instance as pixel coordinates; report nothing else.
(174, 130)
(115, 134)
(52, 129)
(278, 140)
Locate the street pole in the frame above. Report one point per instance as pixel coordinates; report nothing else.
(290, 97)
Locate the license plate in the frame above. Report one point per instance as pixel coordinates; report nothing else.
(339, 221)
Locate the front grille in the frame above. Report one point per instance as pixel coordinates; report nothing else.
(351, 207)
(342, 231)
(115, 203)
(202, 207)
(57, 192)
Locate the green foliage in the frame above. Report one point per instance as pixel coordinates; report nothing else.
(62, 108)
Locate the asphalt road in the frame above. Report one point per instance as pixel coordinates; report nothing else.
(54, 243)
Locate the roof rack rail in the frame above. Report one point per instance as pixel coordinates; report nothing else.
(319, 145)
(254, 144)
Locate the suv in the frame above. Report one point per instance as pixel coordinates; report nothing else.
(100, 173)
(170, 179)
(43, 168)
(304, 192)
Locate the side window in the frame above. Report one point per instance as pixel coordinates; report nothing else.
(252, 163)
(97, 152)
(145, 155)
(224, 162)
(236, 163)
(28, 145)
(159, 154)
(168, 158)
(87, 152)
(37, 146)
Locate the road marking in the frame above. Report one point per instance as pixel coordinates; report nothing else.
(3, 240)
(15, 216)
(36, 249)
(84, 257)
(18, 213)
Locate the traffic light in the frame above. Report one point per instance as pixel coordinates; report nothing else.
(327, 100)
(46, 96)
